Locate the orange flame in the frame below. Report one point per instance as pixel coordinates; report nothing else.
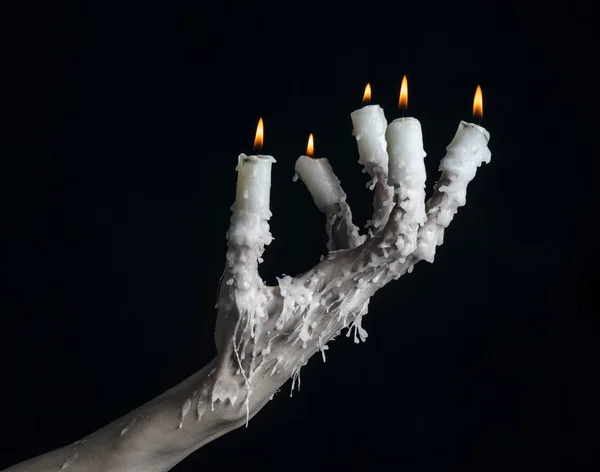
(403, 101)
(367, 95)
(478, 103)
(310, 147)
(260, 133)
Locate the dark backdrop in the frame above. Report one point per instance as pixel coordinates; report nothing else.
(124, 122)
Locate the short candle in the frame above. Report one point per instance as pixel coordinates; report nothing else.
(319, 178)
(369, 126)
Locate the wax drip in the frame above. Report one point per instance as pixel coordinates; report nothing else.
(128, 427)
(185, 408)
(69, 461)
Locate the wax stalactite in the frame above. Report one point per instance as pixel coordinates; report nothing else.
(69, 461)
(185, 408)
(319, 178)
(128, 426)
(201, 406)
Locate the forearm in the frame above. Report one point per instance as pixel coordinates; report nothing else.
(157, 435)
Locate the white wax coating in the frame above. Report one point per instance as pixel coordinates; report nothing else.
(467, 150)
(254, 184)
(405, 148)
(369, 129)
(320, 180)
(407, 167)
(465, 153)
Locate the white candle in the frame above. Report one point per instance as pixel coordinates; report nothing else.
(247, 237)
(407, 167)
(465, 153)
(319, 178)
(254, 184)
(254, 180)
(369, 126)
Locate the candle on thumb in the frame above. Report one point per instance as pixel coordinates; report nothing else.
(254, 179)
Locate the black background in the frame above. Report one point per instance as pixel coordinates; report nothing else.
(123, 125)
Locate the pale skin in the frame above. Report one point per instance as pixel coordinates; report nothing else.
(216, 400)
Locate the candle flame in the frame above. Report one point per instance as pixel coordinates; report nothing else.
(367, 95)
(478, 103)
(310, 147)
(403, 100)
(260, 132)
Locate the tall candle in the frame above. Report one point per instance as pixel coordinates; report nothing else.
(319, 178)
(369, 126)
(405, 148)
(406, 165)
(254, 180)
